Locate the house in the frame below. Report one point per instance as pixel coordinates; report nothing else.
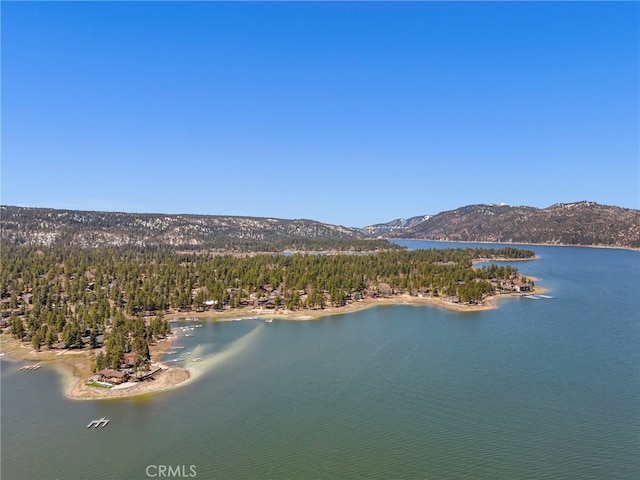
(86, 338)
(113, 376)
(522, 286)
(129, 359)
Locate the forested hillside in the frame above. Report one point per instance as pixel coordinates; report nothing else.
(48, 227)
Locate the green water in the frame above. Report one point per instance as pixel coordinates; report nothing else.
(544, 388)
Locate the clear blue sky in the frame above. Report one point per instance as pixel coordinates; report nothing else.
(347, 113)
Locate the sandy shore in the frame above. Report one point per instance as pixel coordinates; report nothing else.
(76, 364)
(167, 379)
(314, 314)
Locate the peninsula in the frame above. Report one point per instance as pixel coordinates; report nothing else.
(104, 313)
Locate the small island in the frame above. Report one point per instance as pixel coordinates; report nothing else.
(105, 313)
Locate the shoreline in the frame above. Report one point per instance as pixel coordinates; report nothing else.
(75, 366)
(167, 379)
(316, 314)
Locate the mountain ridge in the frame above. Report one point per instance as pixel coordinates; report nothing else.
(48, 227)
(577, 223)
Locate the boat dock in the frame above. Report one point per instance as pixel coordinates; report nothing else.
(142, 375)
(102, 422)
(32, 367)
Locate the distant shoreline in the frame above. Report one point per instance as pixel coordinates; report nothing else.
(76, 364)
(486, 242)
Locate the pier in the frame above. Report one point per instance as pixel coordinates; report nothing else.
(102, 422)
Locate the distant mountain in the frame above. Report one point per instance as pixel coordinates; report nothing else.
(47, 227)
(398, 225)
(580, 223)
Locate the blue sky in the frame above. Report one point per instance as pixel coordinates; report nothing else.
(347, 113)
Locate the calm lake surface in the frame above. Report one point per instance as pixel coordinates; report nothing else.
(545, 388)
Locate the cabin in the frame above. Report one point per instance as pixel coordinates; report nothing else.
(113, 376)
(208, 304)
(522, 286)
(129, 359)
(87, 339)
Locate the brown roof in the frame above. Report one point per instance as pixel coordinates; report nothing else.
(109, 373)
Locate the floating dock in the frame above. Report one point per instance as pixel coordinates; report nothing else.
(32, 367)
(101, 422)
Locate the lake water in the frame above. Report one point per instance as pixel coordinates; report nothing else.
(545, 388)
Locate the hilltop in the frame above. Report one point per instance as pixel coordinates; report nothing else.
(394, 226)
